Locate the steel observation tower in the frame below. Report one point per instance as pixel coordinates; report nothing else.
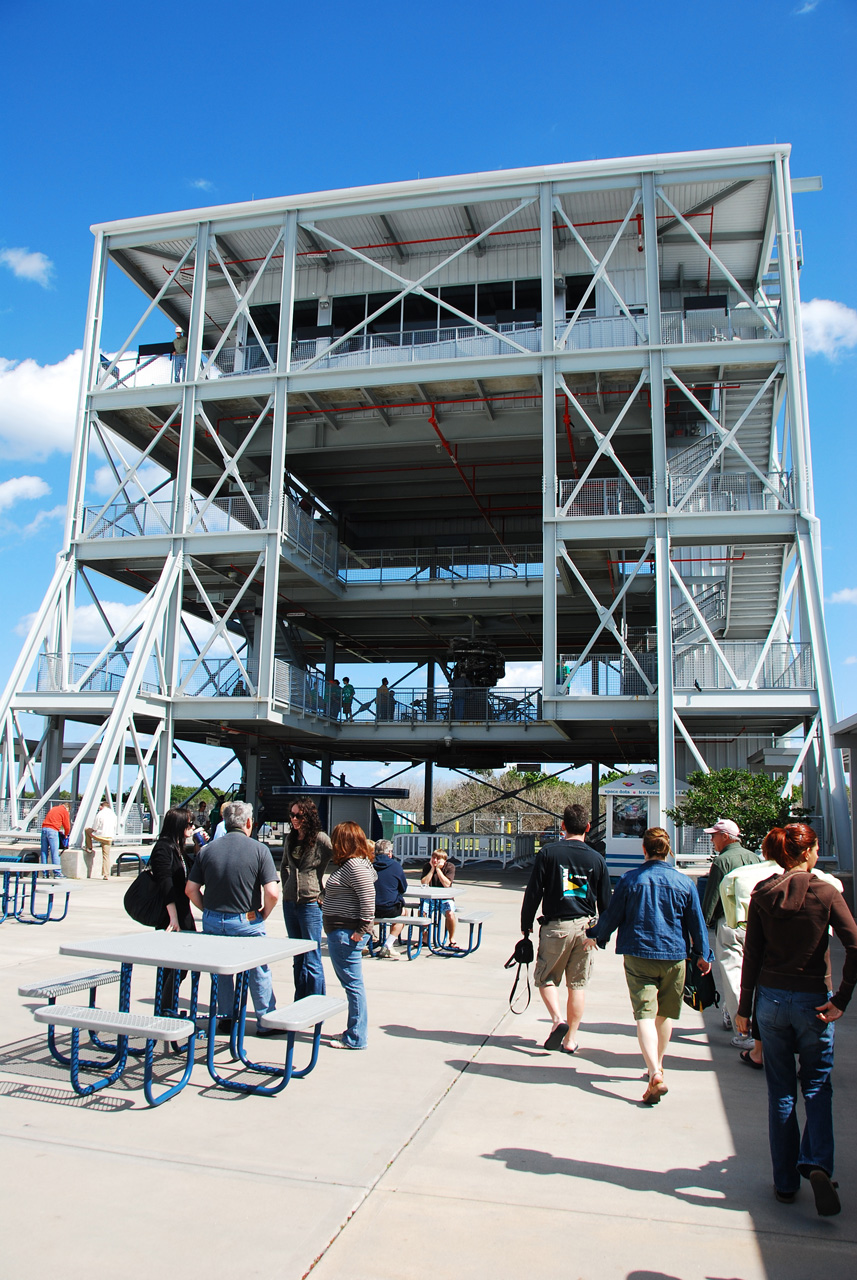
(554, 415)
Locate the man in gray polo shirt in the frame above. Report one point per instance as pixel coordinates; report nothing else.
(241, 891)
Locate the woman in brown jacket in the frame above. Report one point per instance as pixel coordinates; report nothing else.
(306, 853)
(787, 965)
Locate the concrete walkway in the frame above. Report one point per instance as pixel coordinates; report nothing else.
(455, 1146)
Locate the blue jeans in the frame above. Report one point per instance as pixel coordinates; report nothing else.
(788, 1026)
(50, 846)
(261, 984)
(347, 961)
(303, 920)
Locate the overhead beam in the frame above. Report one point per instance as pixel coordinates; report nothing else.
(393, 237)
(702, 205)
(480, 388)
(324, 259)
(474, 229)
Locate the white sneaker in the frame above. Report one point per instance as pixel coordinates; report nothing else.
(727, 1021)
(386, 954)
(743, 1042)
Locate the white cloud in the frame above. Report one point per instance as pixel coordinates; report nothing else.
(37, 406)
(808, 7)
(22, 489)
(149, 475)
(43, 518)
(88, 628)
(848, 595)
(522, 675)
(202, 184)
(28, 266)
(828, 327)
(850, 662)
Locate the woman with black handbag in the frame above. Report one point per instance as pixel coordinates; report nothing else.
(169, 872)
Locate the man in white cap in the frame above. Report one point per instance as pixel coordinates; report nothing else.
(728, 945)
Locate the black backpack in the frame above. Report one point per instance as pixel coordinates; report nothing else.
(700, 991)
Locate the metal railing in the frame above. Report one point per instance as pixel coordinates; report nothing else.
(233, 514)
(444, 705)
(215, 678)
(711, 603)
(603, 674)
(591, 332)
(448, 343)
(733, 491)
(606, 675)
(604, 496)
(441, 343)
(712, 326)
(441, 564)
(231, 361)
(55, 675)
(786, 666)
(305, 692)
(315, 539)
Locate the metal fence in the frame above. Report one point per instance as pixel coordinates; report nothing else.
(305, 692)
(711, 326)
(316, 539)
(442, 706)
(442, 343)
(215, 678)
(786, 666)
(444, 564)
(605, 496)
(143, 518)
(464, 848)
(732, 491)
(607, 675)
(56, 675)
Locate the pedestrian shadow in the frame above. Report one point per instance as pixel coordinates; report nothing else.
(549, 1074)
(711, 1184)
(516, 1044)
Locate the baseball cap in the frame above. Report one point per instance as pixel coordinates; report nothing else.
(725, 826)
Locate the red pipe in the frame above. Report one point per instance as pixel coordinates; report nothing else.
(470, 489)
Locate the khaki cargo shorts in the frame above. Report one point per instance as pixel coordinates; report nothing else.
(561, 951)
(656, 987)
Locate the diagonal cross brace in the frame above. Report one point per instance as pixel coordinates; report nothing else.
(604, 445)
(739, 684)
(600, 269)
(714, 258)
(415, 286)
(230, 461)
(605, 616)
(220, 631)
(727, 439)
(725, 436)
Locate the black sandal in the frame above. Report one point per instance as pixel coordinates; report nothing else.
(744, 1055)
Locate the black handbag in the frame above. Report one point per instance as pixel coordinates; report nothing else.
(522, 956)
(700, 991)
(144, 902)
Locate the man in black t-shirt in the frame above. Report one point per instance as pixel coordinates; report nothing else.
(241, 891)
(570, 881)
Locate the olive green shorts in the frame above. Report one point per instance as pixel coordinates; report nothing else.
(656, 987)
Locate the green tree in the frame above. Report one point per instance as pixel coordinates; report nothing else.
(752, 800)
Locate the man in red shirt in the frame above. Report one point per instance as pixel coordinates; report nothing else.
(56, 820)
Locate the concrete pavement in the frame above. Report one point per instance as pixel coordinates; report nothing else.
(454, 1146)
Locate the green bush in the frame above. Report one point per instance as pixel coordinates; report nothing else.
(751, 799)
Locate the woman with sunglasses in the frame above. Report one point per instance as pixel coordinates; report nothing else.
(306, 853)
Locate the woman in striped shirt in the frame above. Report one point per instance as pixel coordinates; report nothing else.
(348, 913)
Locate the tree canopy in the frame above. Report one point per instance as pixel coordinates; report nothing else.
(752, 800)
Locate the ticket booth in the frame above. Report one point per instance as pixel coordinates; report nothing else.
(632, 807)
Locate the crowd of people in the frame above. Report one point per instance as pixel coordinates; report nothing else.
(771, 914)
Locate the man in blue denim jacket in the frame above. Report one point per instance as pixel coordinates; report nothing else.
(657, 914)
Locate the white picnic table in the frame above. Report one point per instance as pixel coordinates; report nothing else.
(198, 953)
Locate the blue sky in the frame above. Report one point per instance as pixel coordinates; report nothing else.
(110, 115)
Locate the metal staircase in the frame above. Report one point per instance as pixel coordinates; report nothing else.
(753, 584)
